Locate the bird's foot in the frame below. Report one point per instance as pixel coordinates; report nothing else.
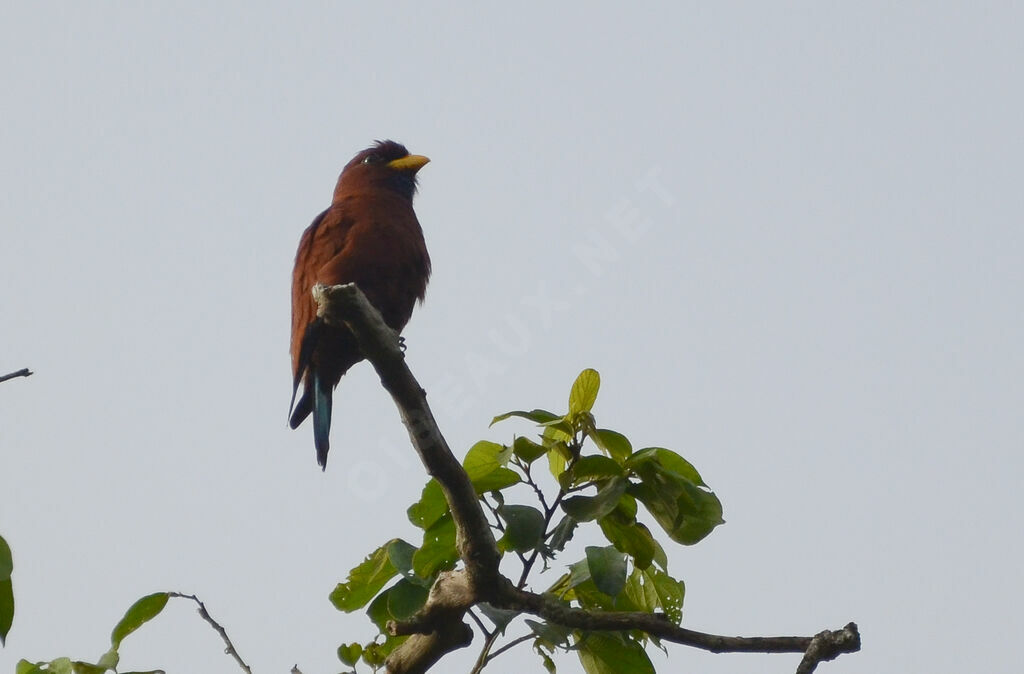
(401, 343)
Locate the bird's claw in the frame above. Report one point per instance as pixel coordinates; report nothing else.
(401, 343)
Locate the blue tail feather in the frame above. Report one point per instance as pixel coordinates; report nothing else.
(321, 418)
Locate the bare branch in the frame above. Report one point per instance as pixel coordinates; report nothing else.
(846, 640)
(229, 647)
(23, 372)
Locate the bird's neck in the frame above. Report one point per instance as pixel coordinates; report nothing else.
(372, 195)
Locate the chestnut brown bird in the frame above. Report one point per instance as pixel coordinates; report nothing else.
(368, 236)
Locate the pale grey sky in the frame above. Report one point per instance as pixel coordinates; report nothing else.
(790, 239)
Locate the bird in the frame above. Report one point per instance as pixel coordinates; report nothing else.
(369, 236)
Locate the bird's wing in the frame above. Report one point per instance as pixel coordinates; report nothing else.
(322, 241)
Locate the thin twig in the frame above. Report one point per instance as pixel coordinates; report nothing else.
(494, 511)
(529, 480)
(23, 372)
(479, 623)
(514, 642)
(548, 514)
(481, 660)
(205, 615)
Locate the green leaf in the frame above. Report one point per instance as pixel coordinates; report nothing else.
(364, 581)
(388, 646)
(615, 444)
(652, 589)
(484, 464)
(587, 508)
(26, 667)
(668, 461)
(549, 664)
(60, 666)
(431, 506)
(660, 558)
(6, 560)
(79, 667)
(6, 609)
(607, 568)
(632, 538)
(579, 572)
(686, 513)
(612, 653)
(6, 590)
(700, 511)
(400, 555)
(138, 614)
(109, 660)
(501, 617)
(626, 508)
(562, 533)
(484, 457)
(640, 591)
(405, 598)
(674, 494)
(590, 468)
(374, 655)
(539, 416)
(379, 613)
(524, 527)
(528, 450)
(438, 550)
(349, 653)
(559, 430)
(500, 478)
(558, 458)
(584, 392)
(553, 636)
(671, 593)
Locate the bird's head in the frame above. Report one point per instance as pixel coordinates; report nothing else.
(386, 165)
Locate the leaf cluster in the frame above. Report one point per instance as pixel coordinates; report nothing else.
(601, 480)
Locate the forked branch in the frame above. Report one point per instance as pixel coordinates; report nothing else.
(439, 627)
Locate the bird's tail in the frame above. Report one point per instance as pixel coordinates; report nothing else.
(322, 392)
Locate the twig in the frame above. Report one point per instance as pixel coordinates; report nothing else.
(23, 372)
(511, 644)
(481, 660)
(494, 511)
(548, 514)
(205, 615)
(529, 480)
(479, 623)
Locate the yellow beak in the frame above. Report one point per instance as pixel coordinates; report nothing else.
(412, 162)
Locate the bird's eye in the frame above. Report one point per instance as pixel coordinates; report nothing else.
(370, 159)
